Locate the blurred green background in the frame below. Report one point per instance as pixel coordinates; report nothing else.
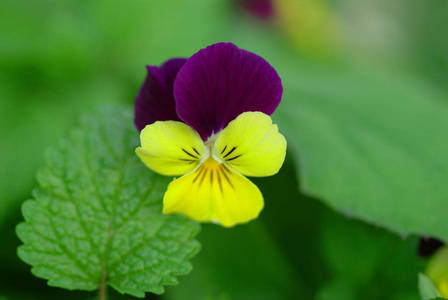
(59, 59)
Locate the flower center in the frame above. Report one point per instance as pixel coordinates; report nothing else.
(212, 156)
(214, 173)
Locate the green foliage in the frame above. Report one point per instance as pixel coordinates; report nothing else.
(370, 147)
(367, 262)
(427, 289)
(339, 123)
(340, 288)
(242, 264)
(96, 218)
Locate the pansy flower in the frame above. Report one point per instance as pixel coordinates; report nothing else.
(208, 118)
(437, 270)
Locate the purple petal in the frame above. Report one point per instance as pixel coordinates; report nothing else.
(222, 81)
(155, 101)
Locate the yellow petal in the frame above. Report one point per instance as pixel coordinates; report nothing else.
(171, 148)
(251, 145)
(443, 288)
(214, 193)
(437, 270)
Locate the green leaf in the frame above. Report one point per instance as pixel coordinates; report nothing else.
(426, 287)
(339, 288)
(367, 261)
(242, 263)
(364, 253)
(369, 146)
(96, 218)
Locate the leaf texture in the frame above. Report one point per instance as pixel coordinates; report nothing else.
(96, 217)
(371, 147)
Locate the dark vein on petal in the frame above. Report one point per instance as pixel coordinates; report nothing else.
(219, 180)
(189, 153)
(196, 151)
(203, 176)
(224, 149)
(211, 177)
(201, 169)
(235, 157)
(225, 168)
(233, 149)
(227, 178)
(189, 160)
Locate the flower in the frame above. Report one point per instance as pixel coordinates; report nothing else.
(437, 270)
(207, 118)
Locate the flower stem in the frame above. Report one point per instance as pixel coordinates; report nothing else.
(103, 289)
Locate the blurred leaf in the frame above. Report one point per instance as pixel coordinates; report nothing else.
(139, 32)
(219, 297)
(355, 250)
(294, 222)
(368, 262)
(371, 147)
(243, 263)
(96, 217)
(426, 29)
(337, 289)
(426, 288)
